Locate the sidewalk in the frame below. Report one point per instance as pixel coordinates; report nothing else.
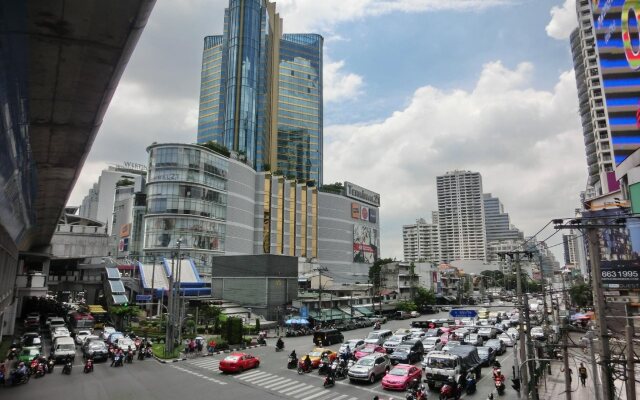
(555, 388)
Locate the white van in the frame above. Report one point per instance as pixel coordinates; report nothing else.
(378, 337)
(63, 347)
(56, 322)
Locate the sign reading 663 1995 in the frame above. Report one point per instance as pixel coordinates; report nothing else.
(620, 274)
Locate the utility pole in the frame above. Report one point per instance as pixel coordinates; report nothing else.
(598, 302)
(631, 372)
(168, 343)
(565, 360)
(412, 267)
(530, 352)
(594, 373)
(320, 269)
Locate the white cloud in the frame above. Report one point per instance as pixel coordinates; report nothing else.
(563, 20)
(308, 15)
(526, 143)
(339, 85)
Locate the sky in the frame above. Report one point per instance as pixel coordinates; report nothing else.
(412, 89)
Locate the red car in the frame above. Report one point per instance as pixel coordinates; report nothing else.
(400, 377)
(368, 350)
(238, 362)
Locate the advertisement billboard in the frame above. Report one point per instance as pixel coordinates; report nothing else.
(620, 274)
(355, 210)
(365, 244)
(359, 193)
(617, 46)
(373, 215)
(364, 213)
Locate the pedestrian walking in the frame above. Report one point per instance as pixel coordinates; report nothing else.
(582, 371)
(570, 374)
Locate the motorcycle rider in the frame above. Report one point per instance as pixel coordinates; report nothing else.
(20, 372)
(306, 364)
(280, 343)
(500, 378)
(347, 353)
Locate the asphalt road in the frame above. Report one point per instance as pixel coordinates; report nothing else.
(199, 378)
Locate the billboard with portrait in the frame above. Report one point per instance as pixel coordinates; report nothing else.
(365, 244)
(618, 49)
(355, 210)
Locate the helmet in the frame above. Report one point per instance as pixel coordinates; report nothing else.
(21, 364)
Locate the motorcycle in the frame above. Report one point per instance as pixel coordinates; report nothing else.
(471, 385)
(329, 381)
(13, 353)
(67, 367)
(15, 379)
(500, 386)
(416, 391)
(149, 352)
(40, 370)
(377, 326)
(323, 367)
(117, 360)
(141, 354)
(129, 357)
(33, 366)
(279, 348)
(50, 364)
(88, 366)
(450, 391)
(292, 362)
(302, 369)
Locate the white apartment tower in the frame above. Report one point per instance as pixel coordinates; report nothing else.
(461, 216)
(421, 241)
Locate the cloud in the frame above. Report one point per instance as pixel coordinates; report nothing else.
(339, 85)
(309, 15)
(526, 143)
(563, 20)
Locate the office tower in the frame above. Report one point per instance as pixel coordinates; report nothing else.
(421, 241)
(606, 66)
(461, 216)
(570, 246)
(497, 222)
(261, 92)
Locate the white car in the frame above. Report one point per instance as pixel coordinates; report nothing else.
(124, 343)
(417, 333)
(354, 345)
(106, 331)
(513, 332)
(507, 339)
(59, 332)
(537, 333)
(431, 343)
(414, 314)
(81, 336)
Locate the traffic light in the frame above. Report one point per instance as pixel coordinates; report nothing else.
(516, 384)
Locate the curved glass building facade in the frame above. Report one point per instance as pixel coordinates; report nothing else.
(187, 201)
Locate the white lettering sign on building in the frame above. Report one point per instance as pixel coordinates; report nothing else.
(362, 194)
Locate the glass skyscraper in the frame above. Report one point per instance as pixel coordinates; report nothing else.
(261, 92)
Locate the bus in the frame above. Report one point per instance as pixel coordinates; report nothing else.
(100, 316)
(79, 321)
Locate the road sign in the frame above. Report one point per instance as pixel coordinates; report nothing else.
(143, 297)
(463, 313)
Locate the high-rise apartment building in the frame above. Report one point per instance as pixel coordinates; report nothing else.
(261, 92)
(421, 241)
(461, 216)
(606, 66)
(497, 222)
(570, 246)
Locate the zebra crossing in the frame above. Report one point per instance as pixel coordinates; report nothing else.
(284, 386)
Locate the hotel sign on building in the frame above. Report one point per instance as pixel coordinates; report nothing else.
(359, 193)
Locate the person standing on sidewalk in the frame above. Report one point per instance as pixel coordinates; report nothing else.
(582, 371)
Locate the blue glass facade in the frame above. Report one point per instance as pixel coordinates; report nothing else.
(300, 107)
(247, 104)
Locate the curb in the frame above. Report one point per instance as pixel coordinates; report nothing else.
(160, 360)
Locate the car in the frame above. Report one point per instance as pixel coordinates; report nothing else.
(114, 337)
(317, 353)
(483, 322)
(96, 349)
(28, 335)
(354, 345)
(487, 355)
(473, 339)
(369, 349)
(537, 333)
(81, 336)
(106, 331)
(487, 332)
(450, 344)
(417, 333)
(401, 376)
(394, 341)
(124, 343)
(445, 308)
(506, 339)
(433, 332)
(33, 343)
(431, 343)
(414, 314)
(32, 322)
(60, 332)
(238, 362)
(379, 318)
(514, 333)
(408, 352)
(498, 345)
(27, 354)
(370, 368)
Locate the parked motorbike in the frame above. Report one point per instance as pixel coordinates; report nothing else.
(66, 369)
(292, 362)
(88, 366)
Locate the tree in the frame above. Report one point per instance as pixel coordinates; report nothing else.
(407, 306)
(124, 313)
(424, 298)
(216, 147)
(210, 313)
(581, 295)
